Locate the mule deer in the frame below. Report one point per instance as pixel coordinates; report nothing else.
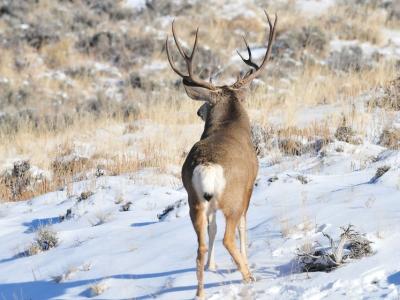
(220, 169)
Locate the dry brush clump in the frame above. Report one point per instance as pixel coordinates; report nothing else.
(379, 173)
(346, 133)
(291, 140)
(351, 245)
(22, 182)
(294, 41)
(389, 96)
(46, 239)
(390, 138)
(349, 59)
(97, 288)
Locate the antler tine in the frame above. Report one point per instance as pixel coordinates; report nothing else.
(269, 20)
(178, 45)
(195, 43)
(189, 60)
(171, 62)
(271, 37)
(248, 61)
(190, 78)
(250, 76)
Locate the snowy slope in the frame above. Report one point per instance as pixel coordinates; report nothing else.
(133, 255)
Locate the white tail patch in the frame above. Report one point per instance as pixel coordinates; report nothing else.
(208, 181)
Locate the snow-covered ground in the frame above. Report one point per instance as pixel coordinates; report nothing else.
(132, 255)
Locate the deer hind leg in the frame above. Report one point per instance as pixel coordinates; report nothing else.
(212, 231)
(229, 243)
(243, 238)
(200, 223)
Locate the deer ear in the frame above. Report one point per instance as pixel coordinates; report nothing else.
(200, 93)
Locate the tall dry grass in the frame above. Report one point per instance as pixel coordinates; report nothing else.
(166, 125)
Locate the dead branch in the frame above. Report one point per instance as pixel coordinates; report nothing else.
(326, 259)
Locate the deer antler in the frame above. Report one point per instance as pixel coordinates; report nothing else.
(258, 69)
(190, 79)
(248, 61)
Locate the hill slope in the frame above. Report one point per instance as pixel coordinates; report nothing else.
(132, 255)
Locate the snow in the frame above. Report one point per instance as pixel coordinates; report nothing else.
(390, 49)
(234, 9)
(136, 4)
(314, 7)
(131, 254)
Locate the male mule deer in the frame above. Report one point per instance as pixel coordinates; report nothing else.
(220, 169)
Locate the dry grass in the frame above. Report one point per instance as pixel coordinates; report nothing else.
(162, 138)
(319, 85)
(352, 22)
(97, 288)
(61, 53)
(67, 275)
(163, 145)
(160, 133)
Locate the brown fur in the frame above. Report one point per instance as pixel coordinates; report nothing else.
(226, 140)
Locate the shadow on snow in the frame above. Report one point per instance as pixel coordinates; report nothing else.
(35, 224)
(41, 289)
(394, 278)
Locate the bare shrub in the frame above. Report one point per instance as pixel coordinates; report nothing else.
(379, 173)
(289, 140)
(273, 179)
(291, 147)
(390, 138)
(349, 59)
(46, 239)
(97, 289)
(121, 49)
(346, 134)
(294, 146)
(19, 180)
(296, 40)
(170, 208)
(84, 195)
(66, 276)
(261, 137)
(126, 206)
(64, 167)
(303, 179)
(67, 215)
(39, 35)
(170, 8)
(33, 249)
(351, 245)
(390, 98)
(393, 9)
(20, 183)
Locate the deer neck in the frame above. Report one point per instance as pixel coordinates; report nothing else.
(224, 116)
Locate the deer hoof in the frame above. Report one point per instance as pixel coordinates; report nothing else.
(212, 267)
(200, 296)
(250, 278)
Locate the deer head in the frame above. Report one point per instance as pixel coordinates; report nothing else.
(201, 90)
